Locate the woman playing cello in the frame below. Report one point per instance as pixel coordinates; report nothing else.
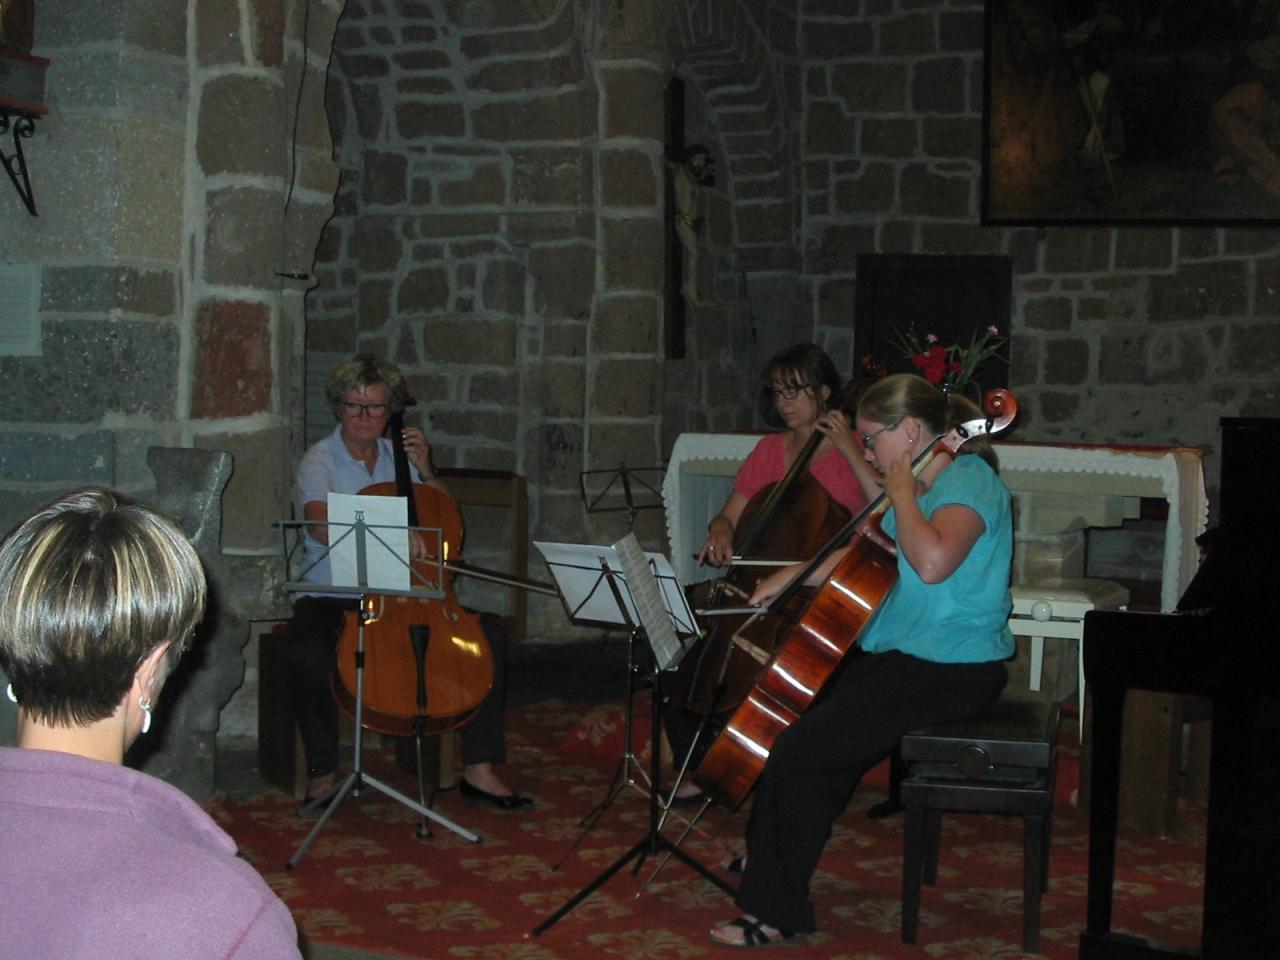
(363, 393)
(932, 652)
(795, 390)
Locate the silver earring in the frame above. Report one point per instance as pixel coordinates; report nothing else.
(145, 704)
(13, 698)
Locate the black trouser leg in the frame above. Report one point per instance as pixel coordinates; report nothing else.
(312, 638)
(483, 737)
(816, 763)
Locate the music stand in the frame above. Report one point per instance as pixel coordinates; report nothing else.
(590, 578)
(585, 577)
(602, 488)
(355, 538)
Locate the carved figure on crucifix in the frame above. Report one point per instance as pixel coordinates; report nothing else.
(691, 169)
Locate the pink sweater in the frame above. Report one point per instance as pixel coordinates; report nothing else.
(97, 860)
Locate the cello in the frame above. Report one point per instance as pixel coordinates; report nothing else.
(427, 665)
(815, 645)
(790, 518)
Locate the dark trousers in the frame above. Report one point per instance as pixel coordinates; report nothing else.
(313, 636)
(817, 761)
(682, 727)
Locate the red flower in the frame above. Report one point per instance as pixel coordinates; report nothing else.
(932, 364)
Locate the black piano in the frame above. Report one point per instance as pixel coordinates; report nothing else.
(1223, 646)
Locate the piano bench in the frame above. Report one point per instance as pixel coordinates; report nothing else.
(1002, 763)
(1055, 607)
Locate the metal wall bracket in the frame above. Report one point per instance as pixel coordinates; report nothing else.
(23, 126)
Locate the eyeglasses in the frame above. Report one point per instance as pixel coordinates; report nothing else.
(869, 439)
(789, 392)
(355, 410)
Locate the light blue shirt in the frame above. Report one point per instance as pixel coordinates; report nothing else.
(328, 467)
(963, 619)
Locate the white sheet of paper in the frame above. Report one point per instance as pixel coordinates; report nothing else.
(673, 597)
(578, 571)
(386, 541)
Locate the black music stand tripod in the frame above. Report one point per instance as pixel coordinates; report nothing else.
(629, 771)
(358, 779)
(642, 607)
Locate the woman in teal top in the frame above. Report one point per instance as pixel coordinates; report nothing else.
(933, 651)
(958, 619)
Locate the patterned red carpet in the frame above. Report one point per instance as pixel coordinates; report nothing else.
(369, 882)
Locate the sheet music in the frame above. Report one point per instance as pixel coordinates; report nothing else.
(386, 541)
(654, 615)
(579, 572)
(582, 573)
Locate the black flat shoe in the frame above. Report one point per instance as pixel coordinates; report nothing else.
(512, 802)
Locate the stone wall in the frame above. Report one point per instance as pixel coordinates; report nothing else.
(499, 232)
(172, 193)
(1120, 334)
(466, 246)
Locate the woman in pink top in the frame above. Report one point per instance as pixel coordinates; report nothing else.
(795, 389)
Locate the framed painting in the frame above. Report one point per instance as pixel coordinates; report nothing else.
(1126, 111)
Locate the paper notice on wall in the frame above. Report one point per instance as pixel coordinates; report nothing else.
(19, 310)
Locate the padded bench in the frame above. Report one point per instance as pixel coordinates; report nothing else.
(1001, 763)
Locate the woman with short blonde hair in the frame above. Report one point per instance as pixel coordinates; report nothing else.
(99, 597)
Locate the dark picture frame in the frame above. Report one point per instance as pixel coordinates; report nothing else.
(1181, 124)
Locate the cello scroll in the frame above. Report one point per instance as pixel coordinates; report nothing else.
(1000, 407)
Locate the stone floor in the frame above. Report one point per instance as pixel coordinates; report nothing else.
(591, 671)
